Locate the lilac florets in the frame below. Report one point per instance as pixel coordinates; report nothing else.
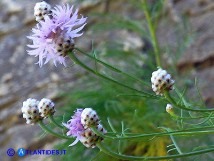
(53, 37)
(74, 125)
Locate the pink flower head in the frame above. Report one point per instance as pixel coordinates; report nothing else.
(75, 126)
(54, 37)
(83, 133)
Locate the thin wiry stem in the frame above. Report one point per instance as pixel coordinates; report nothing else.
(141, 136)
(45, 128)
(76, 60)
(107, 151)
(173, 102)
(174, 141)
(113, 68)
(54, 122)
(152, 33)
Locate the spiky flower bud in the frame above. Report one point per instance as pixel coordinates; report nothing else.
(89, 138)
(46, 107)
(82, 131)
(64, 44)
(41, 9)
(89, 117)
(30, 111)
(169, 108)
(161, 81)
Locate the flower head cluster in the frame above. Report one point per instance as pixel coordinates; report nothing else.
(89, 117)
(30, 111)
(161, 81)
(42, 9)
(46, 107)
(82, 129)
(34, 110)
(53, 36)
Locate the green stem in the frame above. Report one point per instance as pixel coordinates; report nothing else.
(181, 95)
(175, 144)
(107, 151)
(173, 140)
(111, 126)
(137, 95)
(113, 68)
(45, 128)
(190, 118)
(152, 33)
(76, 60)
(182, 121)
(54, 122)
(199, 93)
(172, 101)
(141, 136)
(204, 121)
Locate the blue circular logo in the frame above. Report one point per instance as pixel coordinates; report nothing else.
(21, 152)
(11, 152)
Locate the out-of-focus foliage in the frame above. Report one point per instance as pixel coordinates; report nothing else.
(116, 104)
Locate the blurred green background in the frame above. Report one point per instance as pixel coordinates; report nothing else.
(116, 33)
